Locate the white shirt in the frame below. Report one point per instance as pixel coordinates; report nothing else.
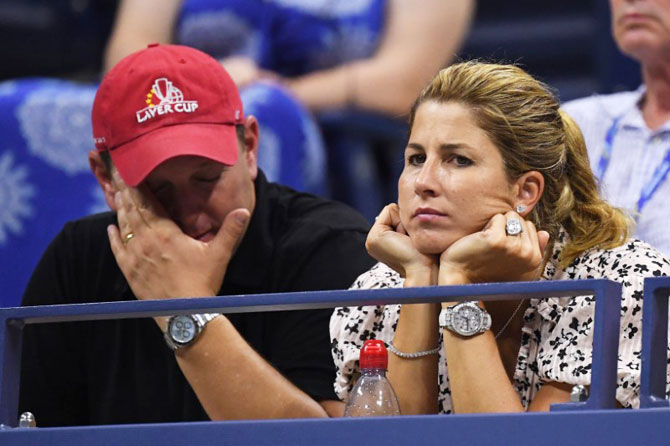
(636, 153)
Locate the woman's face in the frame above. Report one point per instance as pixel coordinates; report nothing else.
(454, 179)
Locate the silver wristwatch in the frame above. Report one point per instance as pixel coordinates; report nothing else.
(465, 319)
(183, 329)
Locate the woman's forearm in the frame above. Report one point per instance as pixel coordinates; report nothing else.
(417, 42)
(415, 380)
(363, 84)
(477, 377)
(138, 23)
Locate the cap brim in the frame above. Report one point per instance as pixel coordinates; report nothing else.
(137, 158)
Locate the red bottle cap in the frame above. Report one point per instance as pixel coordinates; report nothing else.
(374, 355)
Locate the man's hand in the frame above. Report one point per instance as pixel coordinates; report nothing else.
(158, 260)
(493, 256)
(389, 243)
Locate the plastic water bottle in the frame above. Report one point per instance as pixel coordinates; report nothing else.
(372, 396)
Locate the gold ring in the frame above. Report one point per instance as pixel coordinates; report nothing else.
(128, 238)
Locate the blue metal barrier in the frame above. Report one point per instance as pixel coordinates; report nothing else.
(594, 419)
(654, 342)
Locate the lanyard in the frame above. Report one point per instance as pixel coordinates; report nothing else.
(660, 174)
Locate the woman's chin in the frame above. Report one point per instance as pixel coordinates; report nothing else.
(431, 245)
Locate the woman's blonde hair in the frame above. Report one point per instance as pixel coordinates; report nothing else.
(522, 118)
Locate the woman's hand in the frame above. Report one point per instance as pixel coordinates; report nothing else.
(492, 255)
(389, 243)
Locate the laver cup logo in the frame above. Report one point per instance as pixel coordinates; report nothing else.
(164, 98)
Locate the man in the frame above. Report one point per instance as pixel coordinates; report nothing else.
(176, 160)
(628, 134)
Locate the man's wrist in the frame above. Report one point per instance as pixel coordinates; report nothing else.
(162, 322)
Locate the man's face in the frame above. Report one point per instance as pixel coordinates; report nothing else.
(641, 28)
(198, 193)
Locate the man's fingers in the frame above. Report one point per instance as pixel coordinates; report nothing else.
(142, 208)
(115, 242)
(123, 211)
(138, 209)
(118, 181)
(232, 231)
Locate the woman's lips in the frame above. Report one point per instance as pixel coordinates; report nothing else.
(427, 215)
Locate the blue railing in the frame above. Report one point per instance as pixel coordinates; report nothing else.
(574, 423)
(654, 343)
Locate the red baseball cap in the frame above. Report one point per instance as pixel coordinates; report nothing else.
(166, 101)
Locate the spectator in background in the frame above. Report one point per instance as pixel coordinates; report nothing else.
(372, 55)
(496, 187)
(628, 134)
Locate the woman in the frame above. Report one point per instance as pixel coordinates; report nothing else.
(496, 187)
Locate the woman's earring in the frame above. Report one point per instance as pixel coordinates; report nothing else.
(520, 209)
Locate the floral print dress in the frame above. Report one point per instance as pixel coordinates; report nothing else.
(556, 338)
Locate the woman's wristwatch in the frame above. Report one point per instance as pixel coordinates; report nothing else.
(465, 319)
(183, 329)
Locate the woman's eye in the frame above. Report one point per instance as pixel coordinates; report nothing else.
(462, 161)
(416, 159)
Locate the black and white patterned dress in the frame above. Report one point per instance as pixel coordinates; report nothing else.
(556, 339)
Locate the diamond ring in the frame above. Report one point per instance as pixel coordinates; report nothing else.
(513, 226)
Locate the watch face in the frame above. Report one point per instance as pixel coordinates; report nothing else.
(467, 320)
(182, 329)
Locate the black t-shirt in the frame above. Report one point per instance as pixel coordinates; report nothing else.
(121, 371)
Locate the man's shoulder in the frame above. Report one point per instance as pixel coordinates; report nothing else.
(76, 265)
(92, 226)
(601, 106)
(303, 211)
(318, 244)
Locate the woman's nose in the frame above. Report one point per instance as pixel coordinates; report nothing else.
(426, 180)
